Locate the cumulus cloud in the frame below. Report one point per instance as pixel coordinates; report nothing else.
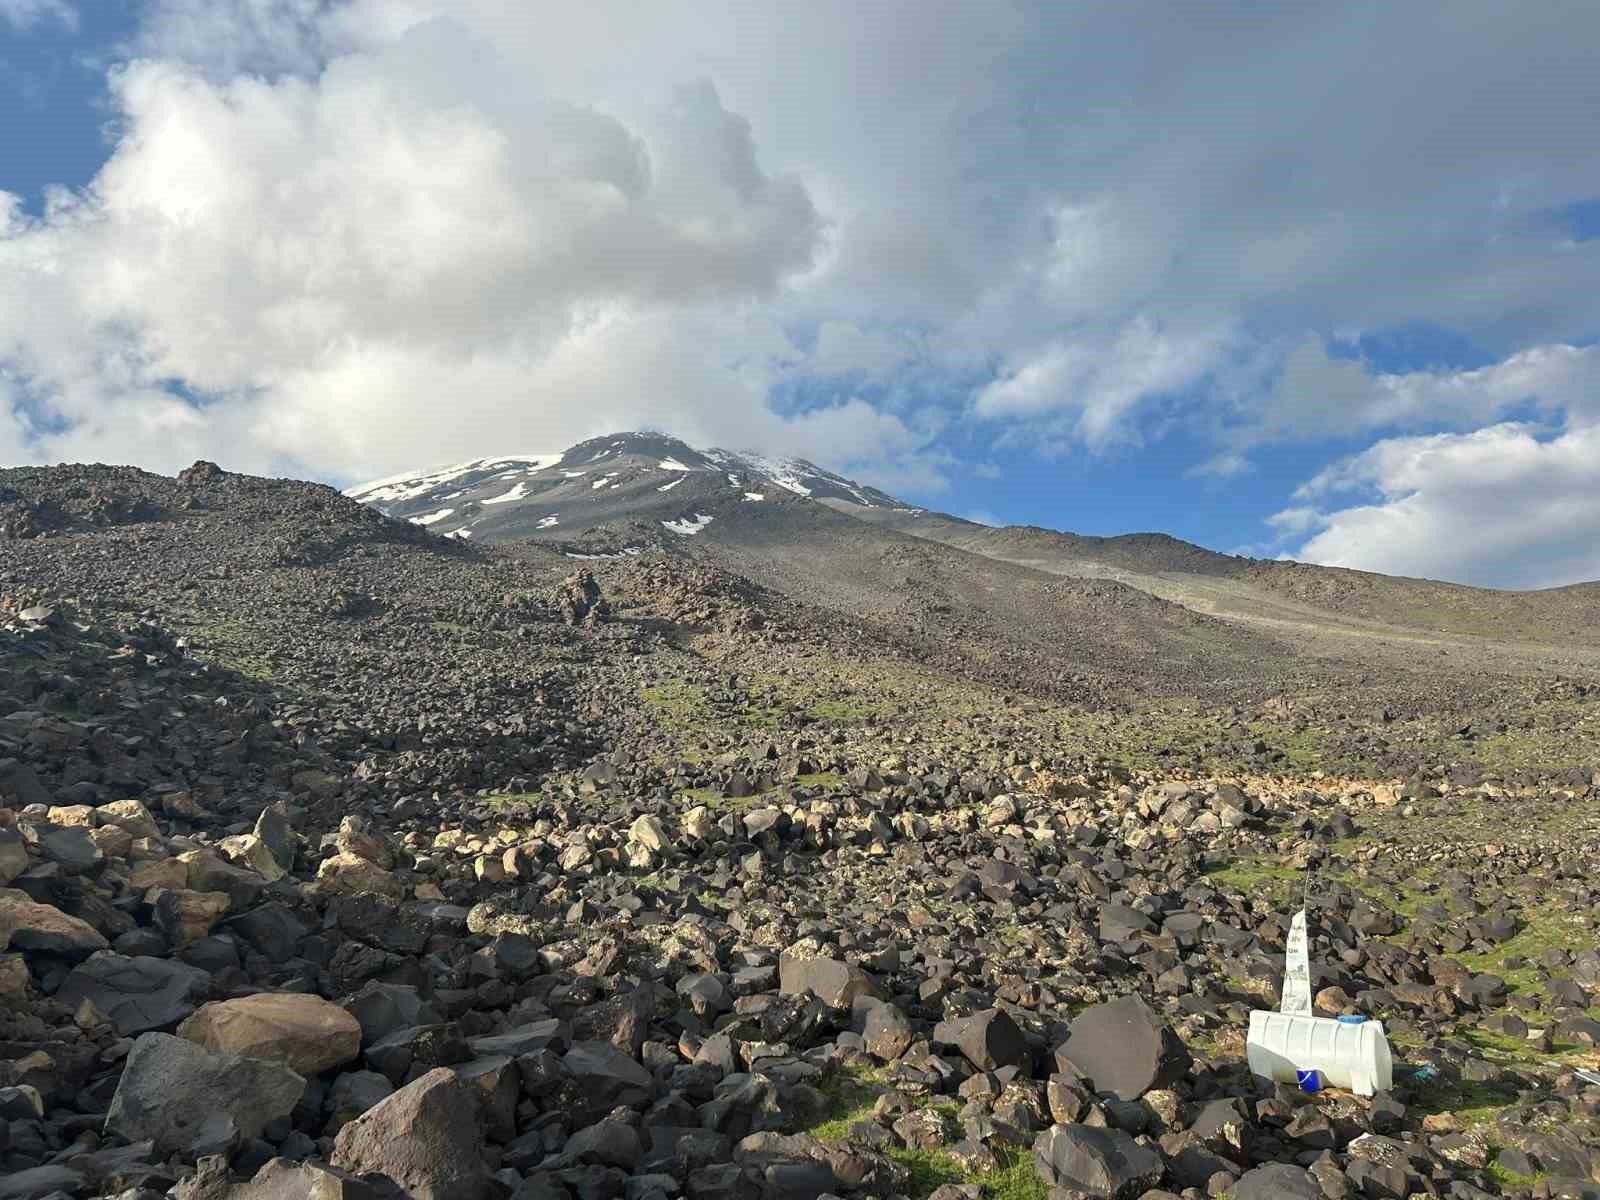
(1499, 506)
(1098, 387)
(414, 248)
(20, 14)
(1319, 396)
(341, 237)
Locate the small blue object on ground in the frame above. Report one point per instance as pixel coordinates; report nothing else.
(1309, 1081)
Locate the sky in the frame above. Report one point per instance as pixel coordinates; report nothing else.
(1310, 281)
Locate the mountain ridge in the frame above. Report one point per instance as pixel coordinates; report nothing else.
(626, 492)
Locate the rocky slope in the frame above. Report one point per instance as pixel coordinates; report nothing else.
(1568, 616)
(338, 858)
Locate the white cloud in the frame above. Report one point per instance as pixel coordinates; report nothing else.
(982, 516)
(1498, 506)
(371, 232)
(1293, 522)
(21, 14)
(1226, 465)
(414, 249)
(843, 347)
(1100, 387)
(1318, 395)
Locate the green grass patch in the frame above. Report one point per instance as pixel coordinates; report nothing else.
(512, 802)
(695, 797)
(1502, 1048)
(675, 704)
(1253, 877)
(1403, 899)
(713, 799)
(1016, 1179)
(1474, 1105)
(844, 710)
(1542, 931)
(830, 781)
(1510, 1180)
(232, 646)
(853, 1094)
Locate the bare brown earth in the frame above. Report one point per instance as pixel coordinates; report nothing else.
(1545, 628)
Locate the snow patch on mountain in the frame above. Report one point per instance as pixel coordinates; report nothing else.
(782, 472)
(432, 518)
(627, 552)
(517, 492)
(689, 527)
(409, 484)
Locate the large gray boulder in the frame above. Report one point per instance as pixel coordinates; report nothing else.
(383, 1009)
(170, 1087)
(426, 1137)
(1277, 1181)
(1124, 1048)
(606, 1077)
(804, 968)
(1104, 1163)
(137, 994)
(36, 1183)
(989, 1039)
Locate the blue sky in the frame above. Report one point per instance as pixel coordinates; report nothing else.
(1323, 284)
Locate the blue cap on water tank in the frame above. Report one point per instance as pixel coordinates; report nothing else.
(1352, 1020)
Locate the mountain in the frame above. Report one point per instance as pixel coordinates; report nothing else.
(591, 862)
(624, 493)
(639, 477)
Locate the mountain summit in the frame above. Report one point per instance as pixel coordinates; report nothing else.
(625, 476)
(776, 519)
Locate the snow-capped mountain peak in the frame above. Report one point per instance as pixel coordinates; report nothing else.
(659, 481)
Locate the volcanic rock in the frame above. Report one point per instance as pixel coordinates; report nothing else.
(306, 1033)
(425, 1137)
(1124, 1048)
(170, 1088)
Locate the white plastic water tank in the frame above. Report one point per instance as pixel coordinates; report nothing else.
(1350, 1055)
